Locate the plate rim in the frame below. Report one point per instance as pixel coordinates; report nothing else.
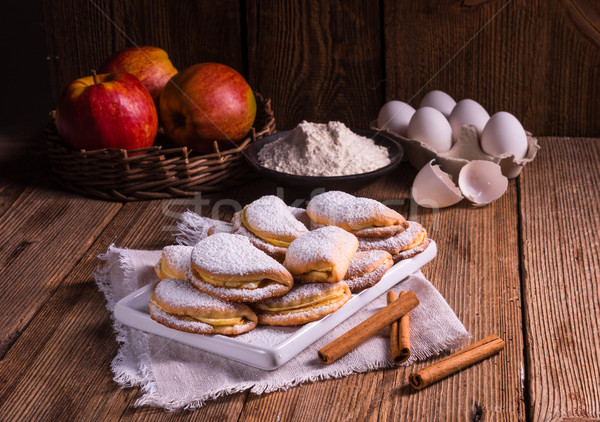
(258, 356)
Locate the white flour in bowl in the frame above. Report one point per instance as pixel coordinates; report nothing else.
(319, 149)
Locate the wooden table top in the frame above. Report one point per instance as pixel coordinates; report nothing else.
(525, 267)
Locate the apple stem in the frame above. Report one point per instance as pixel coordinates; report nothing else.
(94, 76)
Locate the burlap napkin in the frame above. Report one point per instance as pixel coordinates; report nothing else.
(174, 376)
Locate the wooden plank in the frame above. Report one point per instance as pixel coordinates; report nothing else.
(477, 272)
(22, 161)
(191, 32)
(350, 398)
(42, 237)
(78, 37)
(498, 53)
(318, 61)
(61, 363)
(560, 213)
(81, 35)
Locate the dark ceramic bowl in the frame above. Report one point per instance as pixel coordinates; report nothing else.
(350, 182)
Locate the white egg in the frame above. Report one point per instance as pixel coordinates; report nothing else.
(429, 126)
(394, 116)
(504, 134)
(440, 101)
(433, 188)
(482, 182)
(468, 112)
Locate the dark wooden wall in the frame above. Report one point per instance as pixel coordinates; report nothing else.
(321, 60)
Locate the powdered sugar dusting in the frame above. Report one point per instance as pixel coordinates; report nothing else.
(368, 279)
(179, 323)
(300, 215)
(224, 254)
(270, 214)
(182, 295)
(303, 291)
(239, 294)
(198, 327)
(411, 252)
(393, 244)
(319, 149)
(366, 261)
(276, 252)
(177, 258)
(327, 244)
(342, 209)
(303, 315)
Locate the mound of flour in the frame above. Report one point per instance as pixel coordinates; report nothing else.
(319, 149)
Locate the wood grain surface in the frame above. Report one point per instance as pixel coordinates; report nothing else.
(81, 35)
(513, 258)
(560, 213)
(339, 60)
(317, 61)
(477, 272)
(531, 58)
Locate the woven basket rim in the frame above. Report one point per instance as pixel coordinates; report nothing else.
(155, 172)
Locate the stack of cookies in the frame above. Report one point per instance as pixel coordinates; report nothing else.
(273, 270)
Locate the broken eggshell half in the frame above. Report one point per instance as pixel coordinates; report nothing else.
(434, 188)
(480, 181)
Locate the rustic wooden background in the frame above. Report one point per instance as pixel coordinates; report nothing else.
(319, 61)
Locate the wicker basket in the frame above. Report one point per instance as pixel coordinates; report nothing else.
(156, 172)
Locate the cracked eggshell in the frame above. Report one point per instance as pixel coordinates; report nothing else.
(482, 182)
(433, 188)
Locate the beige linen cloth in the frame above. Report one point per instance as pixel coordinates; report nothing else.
(175, 376)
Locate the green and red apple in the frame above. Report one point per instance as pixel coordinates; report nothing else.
(107, 111)
(151, 65)
(207, 102)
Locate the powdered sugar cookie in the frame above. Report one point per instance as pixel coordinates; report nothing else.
(177, 304)
(366, 269)
(409, 238)
(270, 219)
(304, 303)
(300, 215)
(228, 267)
(322, 255)
(413, 251)
(277, 252)
(363, 217)
(221, 227)
(269, 224)
(174, 262)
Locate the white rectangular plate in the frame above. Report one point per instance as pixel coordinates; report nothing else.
(132, 310)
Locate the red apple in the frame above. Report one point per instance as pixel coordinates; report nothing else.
(107, 111)
(207, 102)
(151, 65)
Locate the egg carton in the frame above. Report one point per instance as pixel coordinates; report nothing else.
(464, 150)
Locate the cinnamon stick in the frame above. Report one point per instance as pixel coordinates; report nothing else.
(403, 338)
(399, 334)
(394, 328)
(366, 329)
(468, 356)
